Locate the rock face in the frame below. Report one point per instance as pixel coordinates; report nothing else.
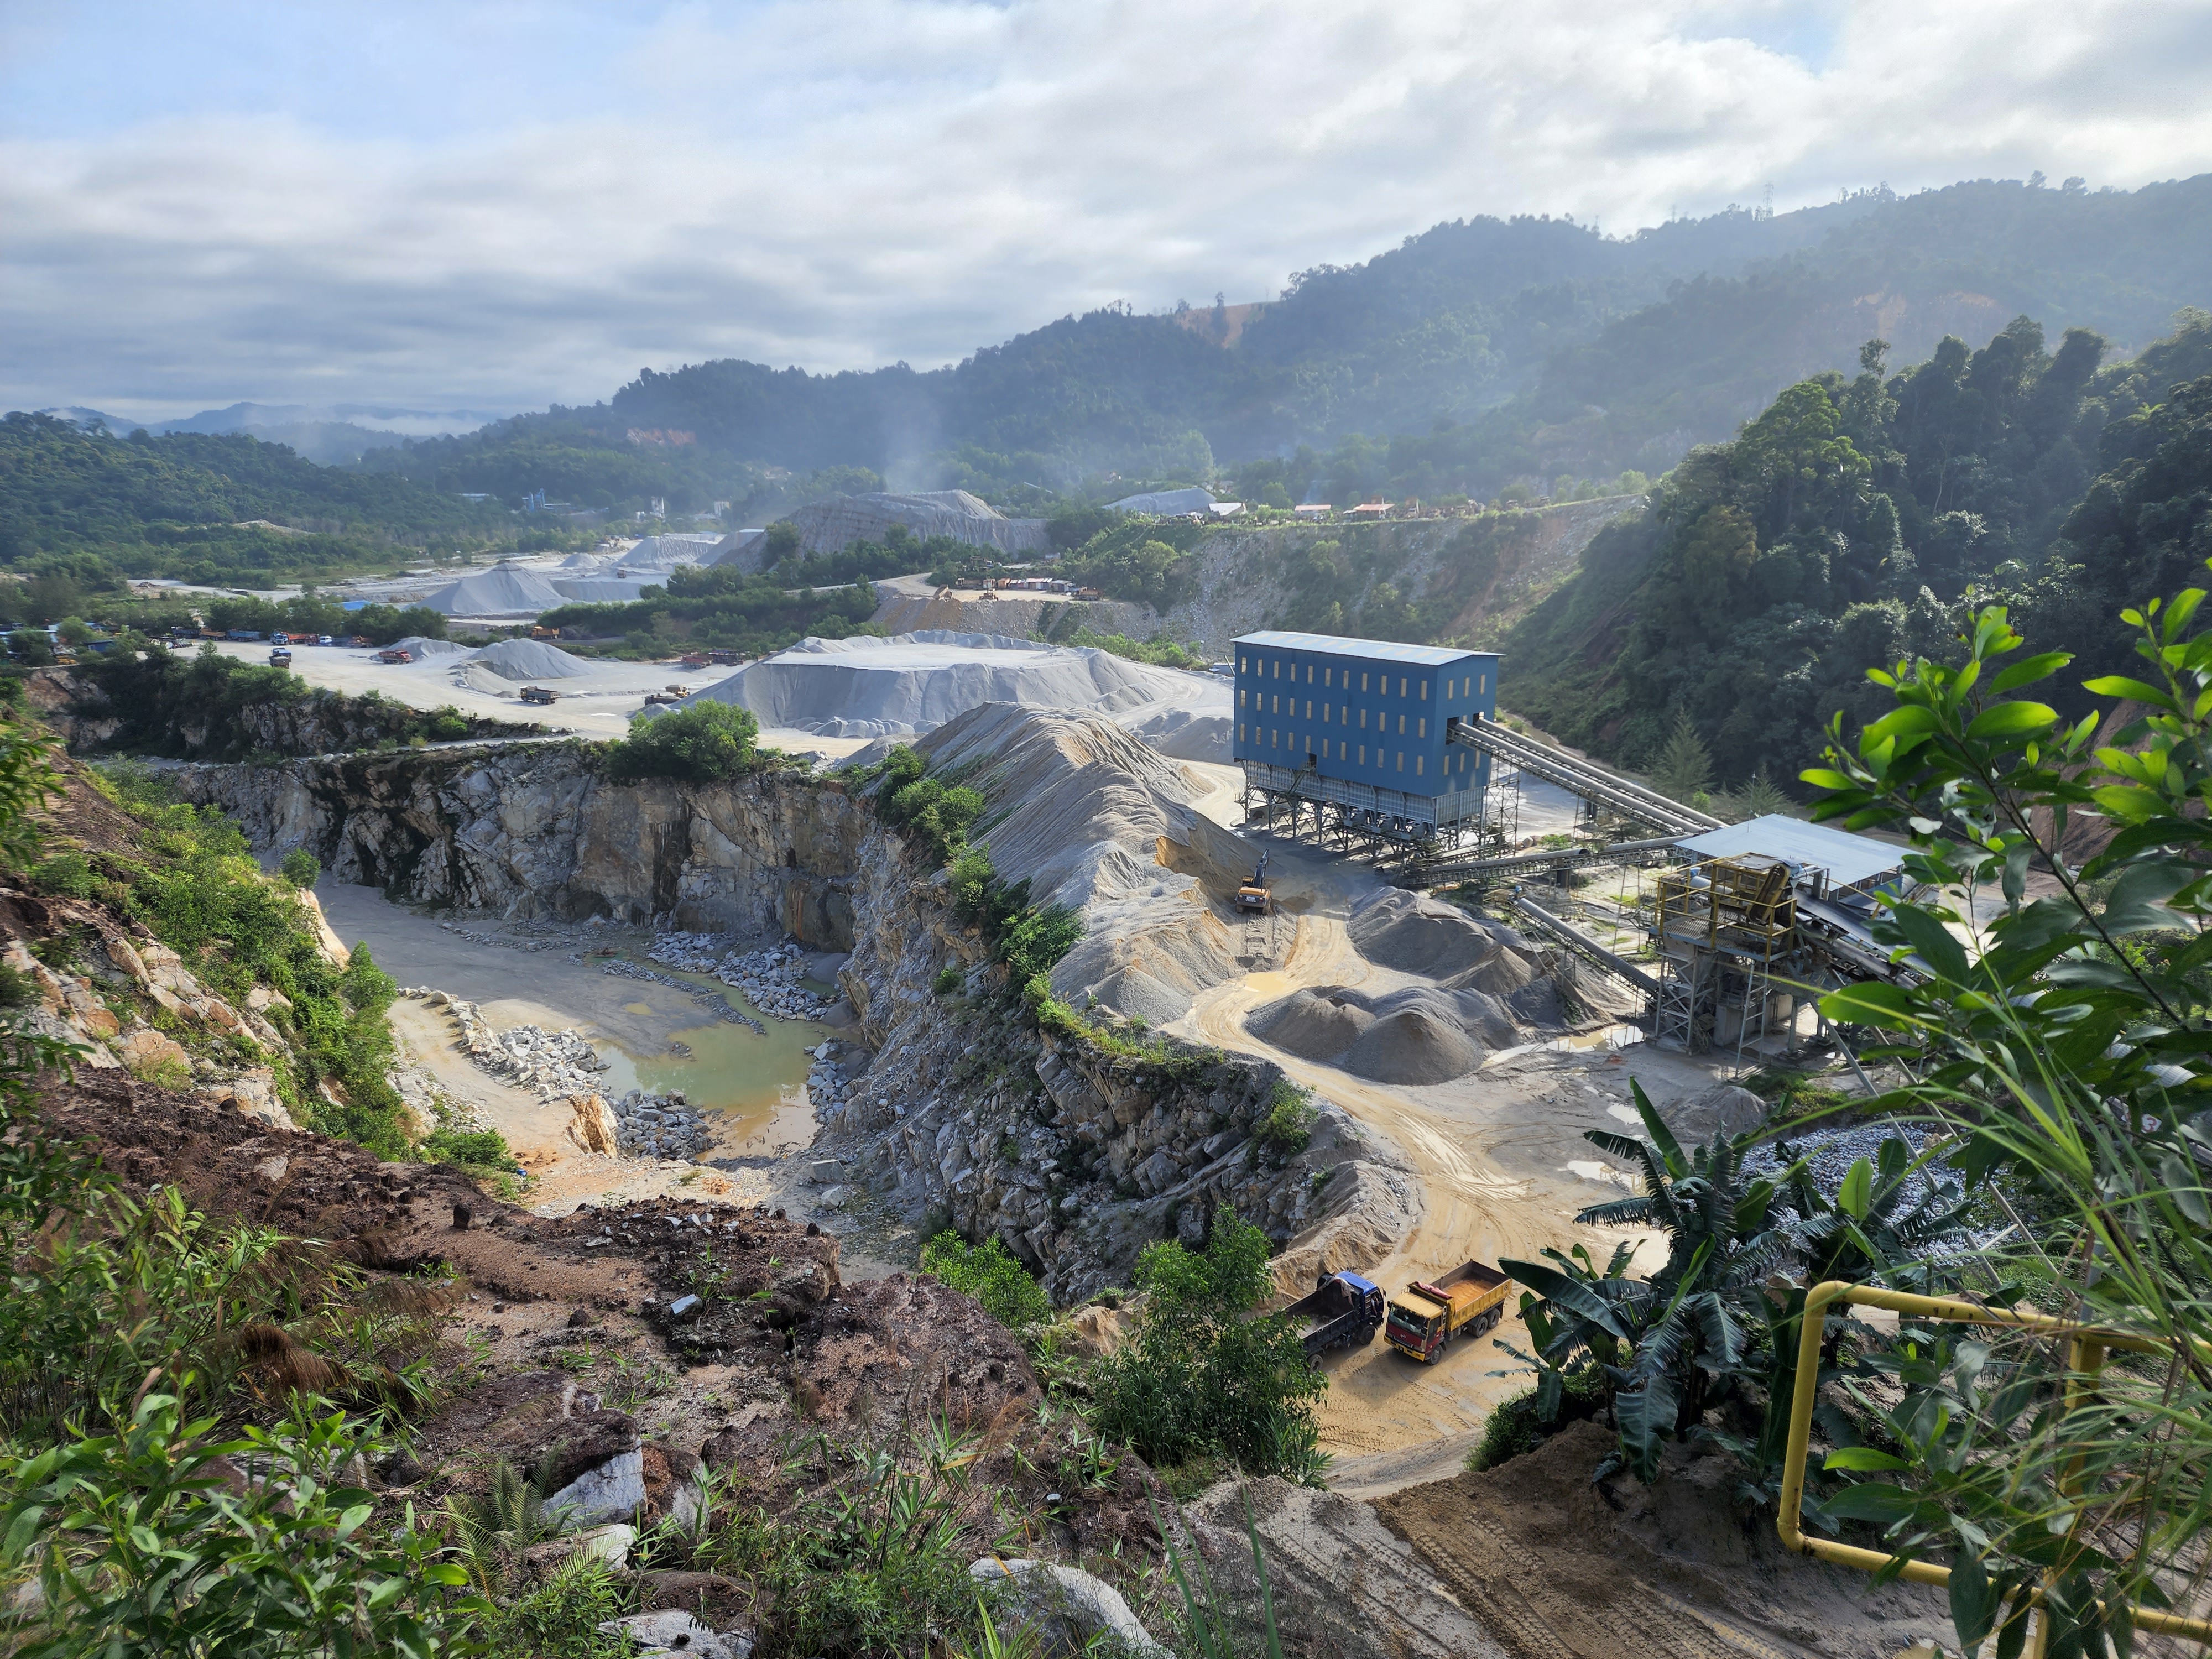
(537, 831)
(952, 1109)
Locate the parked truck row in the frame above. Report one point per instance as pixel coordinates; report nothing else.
(1344, 1310)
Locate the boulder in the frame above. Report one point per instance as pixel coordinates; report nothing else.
(608, 1491)
(1068, 1608)
(593, 1125)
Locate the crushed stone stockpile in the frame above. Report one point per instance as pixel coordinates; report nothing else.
(1096, 820)
(531, 660)
(505, 590)
(770, 978)
(419, 645)
(871, 688)
(1490, 994)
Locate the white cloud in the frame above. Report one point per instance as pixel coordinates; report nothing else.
(843, 185)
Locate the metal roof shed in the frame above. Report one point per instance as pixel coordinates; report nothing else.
(1850, 861)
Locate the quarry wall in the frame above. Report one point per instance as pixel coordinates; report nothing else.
(537, 830)
(954, 1109)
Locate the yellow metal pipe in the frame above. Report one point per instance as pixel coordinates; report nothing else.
(2089, 1342)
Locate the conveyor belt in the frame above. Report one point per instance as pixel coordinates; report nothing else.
(1586, 779)
(1455, 869)
(1586, 947)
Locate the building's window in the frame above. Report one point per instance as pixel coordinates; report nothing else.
(1401, 685)
(1485, 685)
(1402, 760)
(1401, 725)
(1363, 753)
(1240, 696)
(1309, 673)
(1362, 719)
(1240, 731)
(1308, 708)
(1243, 664)
(1424, 724)
(1417, 765)
(1363, 679)
(1425, 690)
(1327, 675)
(1324, 713)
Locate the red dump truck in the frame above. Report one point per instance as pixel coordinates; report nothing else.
(1428, 1312)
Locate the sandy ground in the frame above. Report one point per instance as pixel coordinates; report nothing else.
(600, 707)
(1503, 1165)
(631, 1022)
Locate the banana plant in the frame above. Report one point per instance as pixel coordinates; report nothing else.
(1664, 1341)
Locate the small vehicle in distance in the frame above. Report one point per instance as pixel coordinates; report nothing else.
(323, 639)
(1343, 1311)
(281, 657)
(1427, 1314)
(539, 694)
(393, 653)
(246, 635)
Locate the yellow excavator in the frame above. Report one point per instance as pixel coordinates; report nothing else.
(1253, 895)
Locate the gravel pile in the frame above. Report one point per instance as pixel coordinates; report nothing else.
(557, 1064)
(769, 978)
(659, 1126)
(827, 1085)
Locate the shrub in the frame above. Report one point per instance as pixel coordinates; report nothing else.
(1518, 1426)
(16, 988)
(139, 1547)
(65, 875)
(1286, 1127)
(301, 867)
(948, 980)
(988, 1272)
(445, 725)
(706, 742)
(1200, 1376)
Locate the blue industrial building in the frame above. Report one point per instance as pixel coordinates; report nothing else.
(1359, 725)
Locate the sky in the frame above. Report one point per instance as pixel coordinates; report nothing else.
(495, 206)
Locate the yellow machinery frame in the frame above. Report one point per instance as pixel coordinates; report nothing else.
(2089, 1345)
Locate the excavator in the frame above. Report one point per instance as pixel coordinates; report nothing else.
(1253, 895)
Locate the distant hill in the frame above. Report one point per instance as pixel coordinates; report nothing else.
(187, 504)
(1477, 352)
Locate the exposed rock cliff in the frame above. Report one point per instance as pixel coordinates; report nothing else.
(537, 831)
(957, 1106)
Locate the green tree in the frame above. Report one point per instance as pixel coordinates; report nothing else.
(705, 743)
(1199, 1376)
(301, 868)
(1685, 767)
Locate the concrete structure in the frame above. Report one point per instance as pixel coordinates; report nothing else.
(1355, 729)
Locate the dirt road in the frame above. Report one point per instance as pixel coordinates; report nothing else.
(1502, 1165)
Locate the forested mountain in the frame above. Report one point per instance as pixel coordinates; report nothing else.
(1834, 533)
(1480, 352)
(186, 505)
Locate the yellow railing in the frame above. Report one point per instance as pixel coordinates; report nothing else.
(2089, 1345)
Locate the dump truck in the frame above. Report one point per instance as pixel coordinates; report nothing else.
(1343, 1311)
(1428, 1312)
(1254, 895)
(395, 655)
(539, 694)
(281, 657)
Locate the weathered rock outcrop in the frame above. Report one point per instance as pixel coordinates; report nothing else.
(538, 830)
(956, 1108)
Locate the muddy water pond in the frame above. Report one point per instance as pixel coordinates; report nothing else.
(753, 1084)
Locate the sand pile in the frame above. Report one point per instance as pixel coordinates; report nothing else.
(1416, 934)
(505, 590)
(531, 660)
(1418, 1035)
(1312, 1024)
(419, 645)
(869, 688)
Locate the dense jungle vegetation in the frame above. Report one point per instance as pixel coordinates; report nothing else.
(1834, 532)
